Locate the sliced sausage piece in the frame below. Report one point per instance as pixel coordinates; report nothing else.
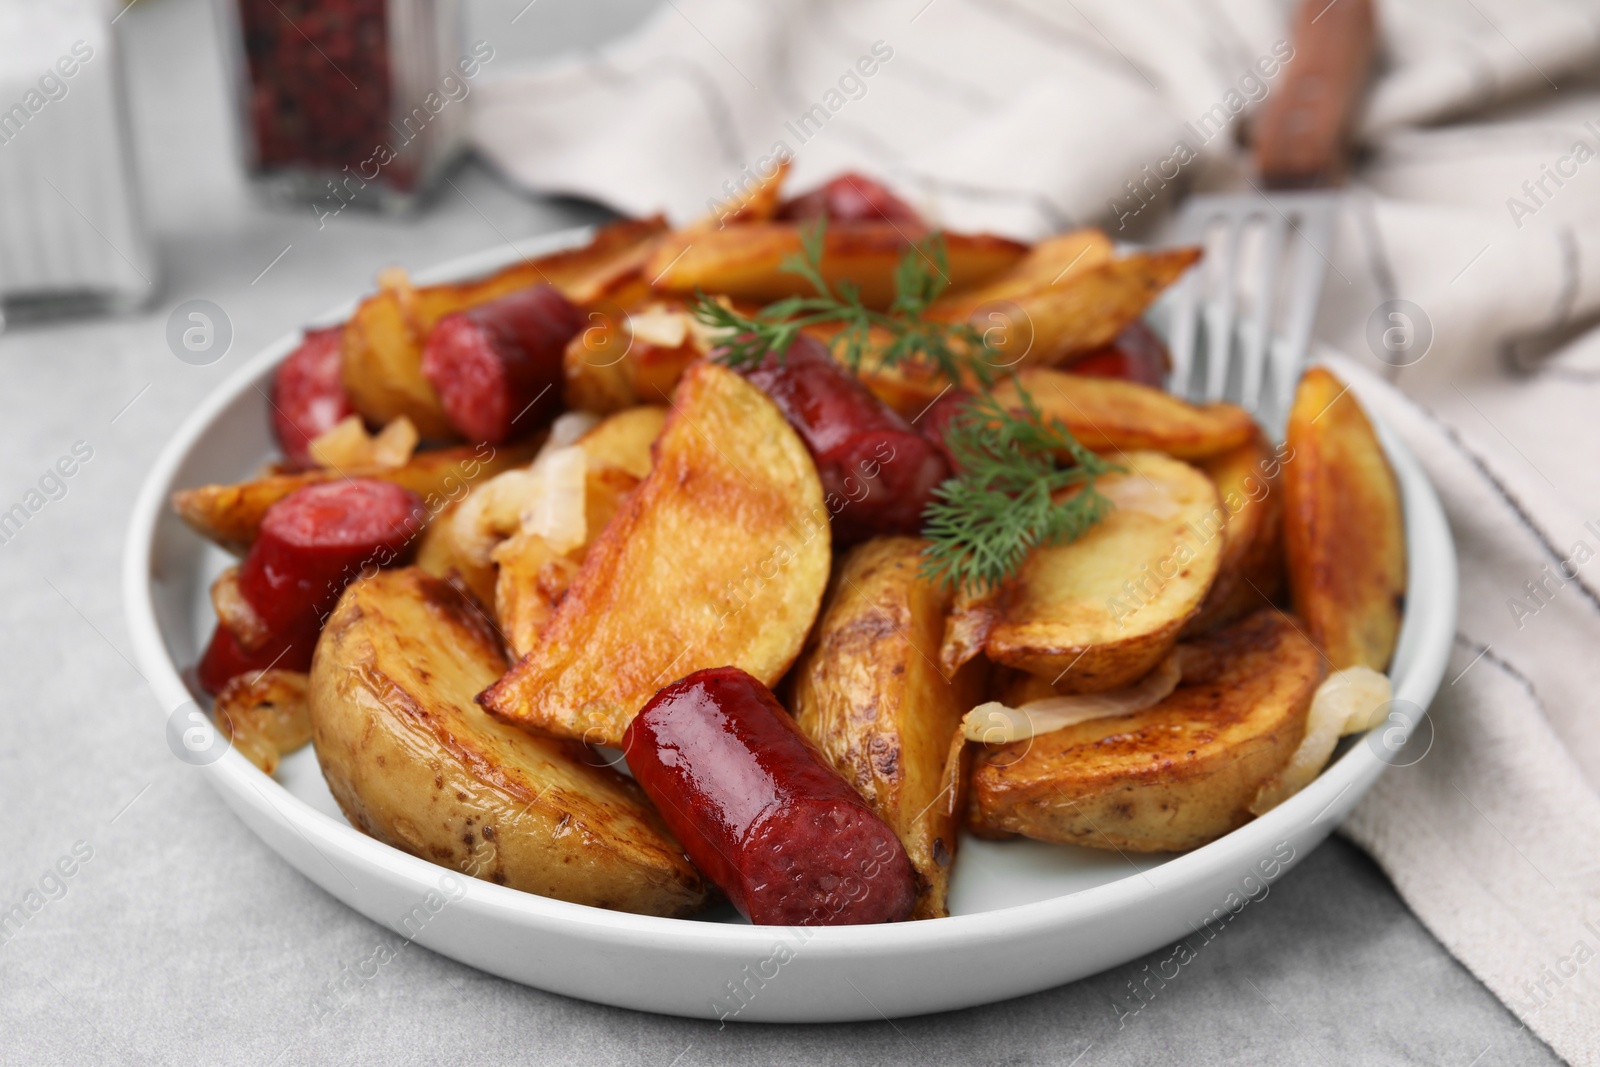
(308, 396)
(226, 658)
(878, 473)
(314, 541)
(497, 367)
(935, 422)
(852, 197)
(1137, 354)
(760, 811)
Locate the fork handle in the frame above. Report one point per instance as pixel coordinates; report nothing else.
(1302, 136)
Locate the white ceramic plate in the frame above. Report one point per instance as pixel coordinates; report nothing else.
(1027, 916)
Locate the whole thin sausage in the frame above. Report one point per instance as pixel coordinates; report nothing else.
(308, 396)
(759, 810)
(314, 541)
(878, 473)
(497, 367)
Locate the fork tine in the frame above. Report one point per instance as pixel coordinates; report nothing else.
(1314, 225)
(1219, 319)
(1258, 338)
(1185, 318)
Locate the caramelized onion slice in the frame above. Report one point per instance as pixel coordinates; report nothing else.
(996, 724)
(1346, 702)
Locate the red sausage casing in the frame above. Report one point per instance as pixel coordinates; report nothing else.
(225, 657)
(497, 367)
(852, 197)
(759, 810)
(308, 397)
(878, 473)
(314, 541)
(1137, 354)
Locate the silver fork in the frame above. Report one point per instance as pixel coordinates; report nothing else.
(1241, 321)
(1244, 336)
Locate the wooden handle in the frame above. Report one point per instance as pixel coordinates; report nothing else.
(1302, 135)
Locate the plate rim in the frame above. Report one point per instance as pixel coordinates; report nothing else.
(241, 783)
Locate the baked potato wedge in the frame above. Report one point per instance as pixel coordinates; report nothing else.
(1099, 612)
(1172, 777)
(629, 358)
(1053, 261)
(869, 692)
(1087, 310)
(746, 262)
(415, 763)
(383, 339)
(437, 555)
(532, 575)
(719, 557)
(1113, 415)
(1344, 531)
(1250, 576)
(231, 515)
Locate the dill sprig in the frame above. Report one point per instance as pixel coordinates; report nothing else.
(1010, 493)
(920, 277)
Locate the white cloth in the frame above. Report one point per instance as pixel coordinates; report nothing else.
(1026, 117)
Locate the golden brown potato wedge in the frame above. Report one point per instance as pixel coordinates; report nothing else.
(626, 359)
(869, 692)
(623, 440)
(1250, 524)
(1344, 531)
(758, 203)
(1172, 777)
(1100, 612)
(437, 555)
(1085, 310)
(719, 557)
(745, 262)
(383, 339)
(1112, 415)
(414, 762)
(231, 515)
(532, 576)
(1053, 261)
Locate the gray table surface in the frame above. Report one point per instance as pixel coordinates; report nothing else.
(185, 940)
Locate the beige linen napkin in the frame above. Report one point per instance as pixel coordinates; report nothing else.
(1474, 203)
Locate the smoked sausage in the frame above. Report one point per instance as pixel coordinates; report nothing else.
(497, 367)
(760, 811)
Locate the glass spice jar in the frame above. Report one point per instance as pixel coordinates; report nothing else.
(348, 102)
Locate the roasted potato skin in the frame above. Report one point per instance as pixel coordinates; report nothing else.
(1034, 323)
(1110, 415)
(1250, 576)
(1344, 528)
(384, 338)
(869, 692)
(231, 515)
(415, 763)
(746, 262)
(1053, 261)
(1087, 310)
(1175, 776)
(720, 557)
(1099, 612)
